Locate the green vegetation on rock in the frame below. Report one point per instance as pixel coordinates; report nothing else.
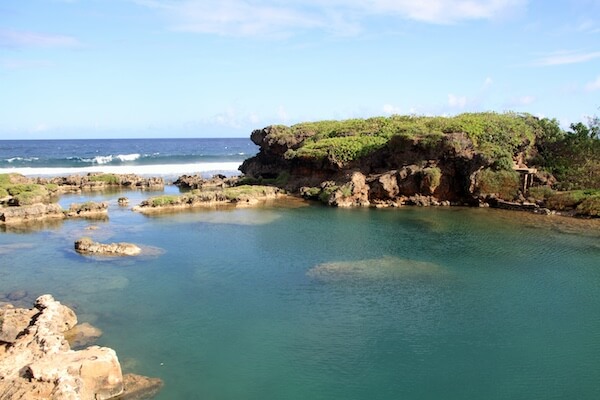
(22, 193)
(497, 136)
(110, 179)
(504, 184)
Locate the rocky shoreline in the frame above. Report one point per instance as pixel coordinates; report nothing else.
(423, 185)
(37, 362)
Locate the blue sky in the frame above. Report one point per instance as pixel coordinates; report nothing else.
(192, 68)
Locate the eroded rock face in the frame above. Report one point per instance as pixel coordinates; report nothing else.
(37, 362)
(88, 246)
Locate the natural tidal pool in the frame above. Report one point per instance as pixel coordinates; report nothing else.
(321, 303)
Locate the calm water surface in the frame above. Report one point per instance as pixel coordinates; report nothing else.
(320, 303)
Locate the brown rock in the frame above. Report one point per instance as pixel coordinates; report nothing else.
(88, 246)
(82, 335)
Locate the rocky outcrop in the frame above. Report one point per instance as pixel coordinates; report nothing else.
(88, 209)
(191, 182)
(34, 212)
(244, 195)
(89, 247)
(100, 181)
(404, 171)
(36, 361)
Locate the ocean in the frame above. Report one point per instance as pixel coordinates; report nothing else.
(302, 301)
(165, 157)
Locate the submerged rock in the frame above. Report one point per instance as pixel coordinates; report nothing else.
(88, 246)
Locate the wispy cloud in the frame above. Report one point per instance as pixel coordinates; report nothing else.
(11, 38)
(447, 11)
(520, 101)
(455, 101)
(566, 57)
(16, 64)
(593, 85)
(274, 17)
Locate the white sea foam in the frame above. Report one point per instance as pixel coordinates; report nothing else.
(146, 170)
(100, 160)
(128, 157)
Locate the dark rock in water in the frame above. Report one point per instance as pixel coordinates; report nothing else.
(82, 335)
(137, 387)
(16, 295)
(123, 201)
(88, 246)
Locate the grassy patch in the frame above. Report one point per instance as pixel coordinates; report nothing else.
(341, 149)
(110, 179)
(163, 200)
(237, 192)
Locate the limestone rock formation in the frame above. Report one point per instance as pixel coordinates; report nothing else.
(88, 246)
(36, 361)
(88, 209)
(34, 212)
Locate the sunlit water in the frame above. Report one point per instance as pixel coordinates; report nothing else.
(321, 303)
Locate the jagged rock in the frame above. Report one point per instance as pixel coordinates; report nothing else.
(87, 209)
(198, 182)
(37, 362)
(34, 212)
(13, 321)
(88, 246)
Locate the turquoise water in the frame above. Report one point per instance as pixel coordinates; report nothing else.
(321, 303)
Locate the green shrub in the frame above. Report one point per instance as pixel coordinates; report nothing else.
(342, 149)
(504, 184)
(431, 178)
(569, 200)
(589, 206)
(540, 192)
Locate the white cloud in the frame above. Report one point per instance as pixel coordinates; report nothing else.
(448, 11)
(593, 85)
(566, 57)
(457, 101)
(390, 109)
(10, 38)
(523, 100)
(283, 114)
(278, 18)
(487, 83)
